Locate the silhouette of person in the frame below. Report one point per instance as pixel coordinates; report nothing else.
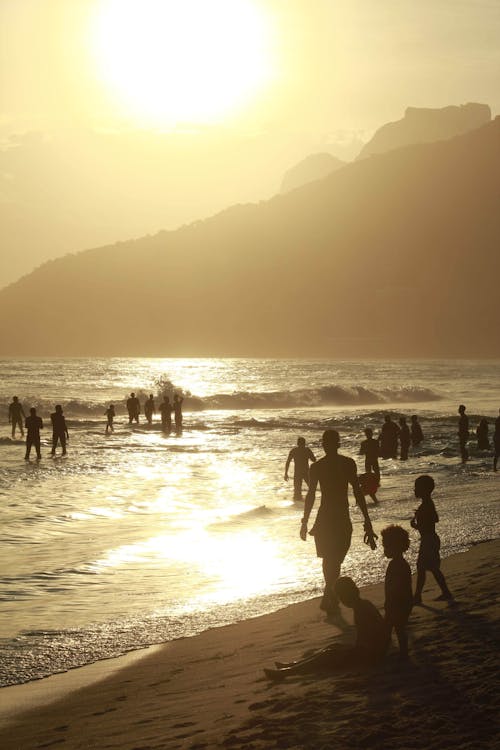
(369, 448)
(398, 589)
(300, 455)
(389, 435)
(133, 408)
(59, 430)
(496, 442)
(416, 431)
(16, 416)
(424, 521)
(110, 414)
(404, 438)
(483, 442)
(333, 529)
(463, 433)
(369, 484)
(178, 412)
(371, 644)
(149, 409)
(166, 414)
(33, 425)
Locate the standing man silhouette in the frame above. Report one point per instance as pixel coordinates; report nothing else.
(178, 413)
(333, 528)
(59, 430)
(16, 416)
(133, 408)
(166, 414)
(33, 426)
(300, 455)
(463, 433)
(496, 442)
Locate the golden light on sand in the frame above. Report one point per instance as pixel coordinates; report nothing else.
(181, 61)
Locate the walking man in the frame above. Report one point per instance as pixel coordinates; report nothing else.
(33, 426)
(300, 455)
(333, 529)
(16, 416)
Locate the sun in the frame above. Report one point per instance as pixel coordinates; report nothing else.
(170, 62)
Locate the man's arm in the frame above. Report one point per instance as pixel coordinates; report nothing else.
(287, 465)
(311, 455)
(370, 535)
(309, 501)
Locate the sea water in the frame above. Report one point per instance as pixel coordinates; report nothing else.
(138, 537)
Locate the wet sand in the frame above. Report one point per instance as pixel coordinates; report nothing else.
(209, 691)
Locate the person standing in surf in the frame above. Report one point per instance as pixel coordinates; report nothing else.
(300, 455)
(133, 408)
(389, 436)
(16, 416)
(496, 442)
(416, 431)
(463, 433)
(110, 415)
(149, 409)
(59, 430)
(178, 413)
(166, 415)
(33, 426)
(369, 448)
(404, 439)
(332, 530)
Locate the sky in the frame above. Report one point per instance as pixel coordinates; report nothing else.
(119, 118)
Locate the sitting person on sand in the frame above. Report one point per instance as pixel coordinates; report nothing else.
(424, 521)
(398, 590)
(372, 639)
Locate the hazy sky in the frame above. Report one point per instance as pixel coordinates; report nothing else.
(120, 117)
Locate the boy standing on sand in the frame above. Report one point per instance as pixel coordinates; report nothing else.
(300, 455)
(424, 521)
(333, 529)
(372, 639)
(398, 591)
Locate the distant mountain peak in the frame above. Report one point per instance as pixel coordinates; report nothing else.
(425, 125)
(313, 167)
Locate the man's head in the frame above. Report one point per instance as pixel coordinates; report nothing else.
(424, 485)
(461, 409)
(59, 408)
(331, 441)
(33, 411)
(347, 591)
(402, 421)
(132, 395)
(387, 418)
(414, 418)
(301, 442)
(369, 432)
(395, 540)
(15, 399)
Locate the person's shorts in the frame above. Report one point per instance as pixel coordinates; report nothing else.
(332, 539)
(428, 554)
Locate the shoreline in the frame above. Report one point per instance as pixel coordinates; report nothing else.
(208, 690)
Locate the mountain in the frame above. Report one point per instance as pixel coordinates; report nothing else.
(393, 255)
(313, 167)
(421, 125)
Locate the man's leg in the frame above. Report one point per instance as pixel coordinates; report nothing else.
(331, 572)
(29, 443)
(54, 444)
(62, 438)
(36, 443)
(417, 599)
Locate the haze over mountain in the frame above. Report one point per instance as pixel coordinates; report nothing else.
(393, 255)
(313, 167)
(424, 125)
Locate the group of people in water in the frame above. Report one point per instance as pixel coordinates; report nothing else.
(60, 435)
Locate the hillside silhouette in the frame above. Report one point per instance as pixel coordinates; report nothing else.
(424, 125)
(313, 167)
(393, 255)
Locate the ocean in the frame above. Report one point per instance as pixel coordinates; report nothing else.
(137, 538)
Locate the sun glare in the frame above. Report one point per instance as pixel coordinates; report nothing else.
(170, 62)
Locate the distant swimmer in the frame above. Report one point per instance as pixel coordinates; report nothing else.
(404, 438)
(332, 530)
(389, 435)
(178, 401)
(33, 426)
(165, 409)
(463, 433)
(110, 415)
(300, 455)
(149, 409)
(483, 442)
(369, 448)
(416, 431)
(496, 442)
(16, 416)
(133, 408)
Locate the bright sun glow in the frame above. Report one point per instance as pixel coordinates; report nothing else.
(181, 61)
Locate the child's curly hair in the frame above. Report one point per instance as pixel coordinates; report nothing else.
(396, 538)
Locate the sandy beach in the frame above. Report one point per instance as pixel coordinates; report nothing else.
(209, 691)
